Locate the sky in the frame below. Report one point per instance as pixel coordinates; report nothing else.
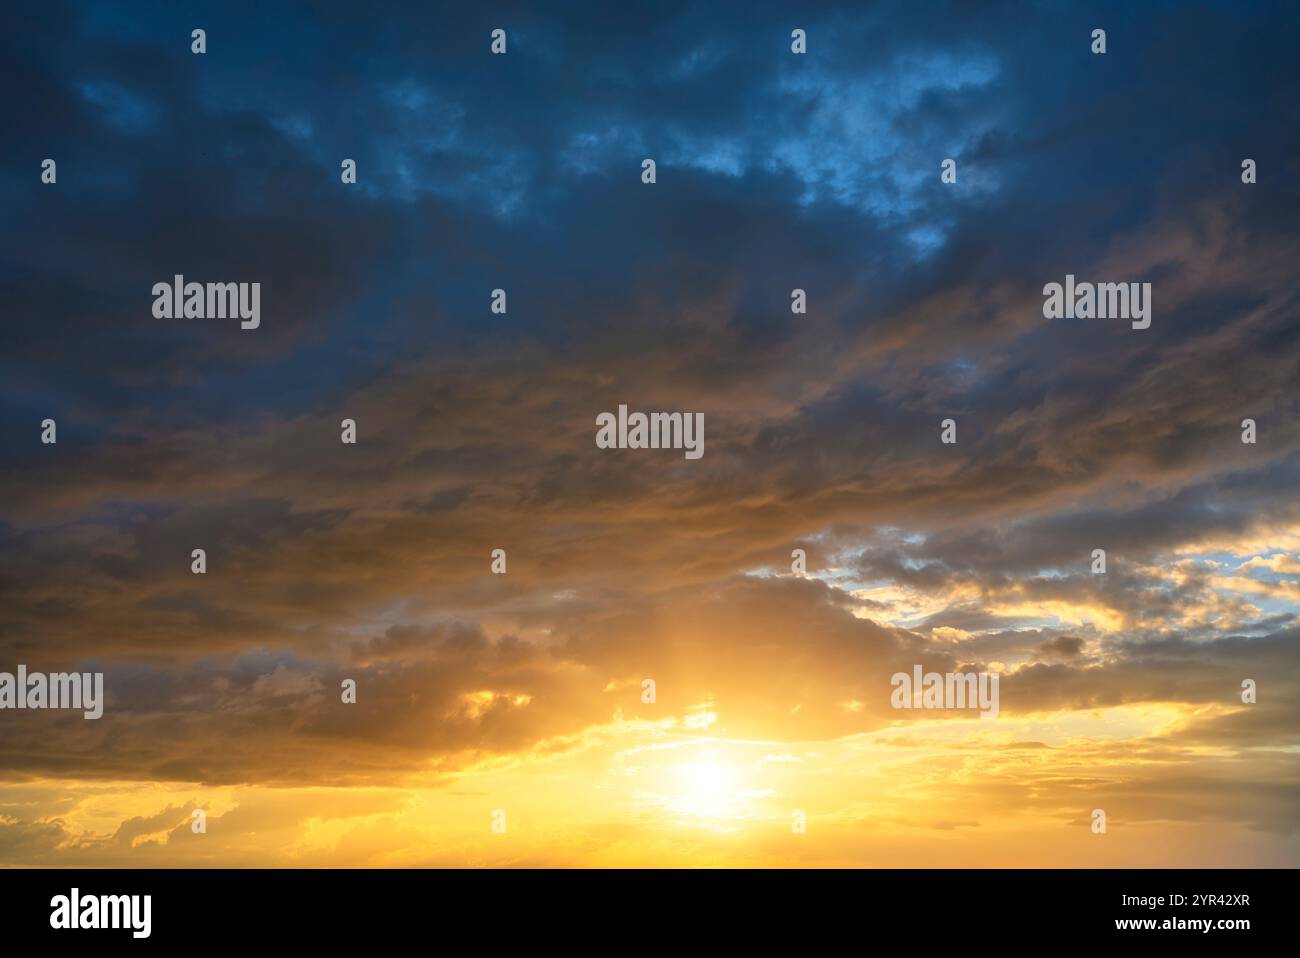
(502, 719)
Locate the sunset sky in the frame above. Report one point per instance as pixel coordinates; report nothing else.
(523, 692)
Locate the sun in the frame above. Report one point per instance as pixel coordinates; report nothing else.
(706, 788)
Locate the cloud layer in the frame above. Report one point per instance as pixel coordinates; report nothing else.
(775, 171)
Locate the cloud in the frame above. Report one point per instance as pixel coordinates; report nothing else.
(329, 561)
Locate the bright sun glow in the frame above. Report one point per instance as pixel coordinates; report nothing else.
(706, 788)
